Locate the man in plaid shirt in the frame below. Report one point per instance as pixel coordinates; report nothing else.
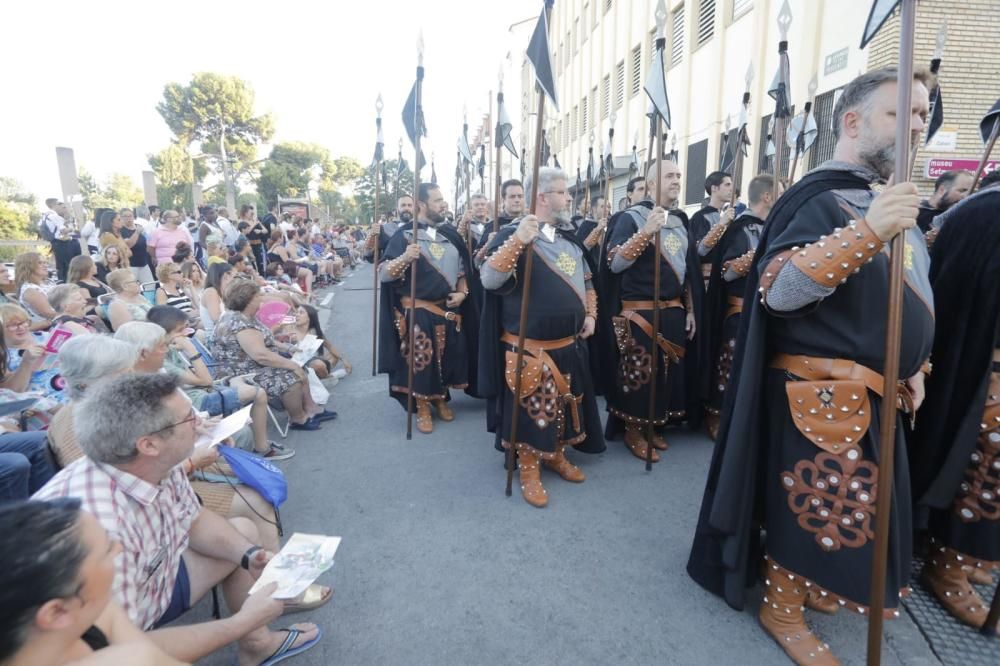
(136, 431)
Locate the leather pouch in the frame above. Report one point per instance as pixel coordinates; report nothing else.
(832, 414)
(623, 336)
(531, 374)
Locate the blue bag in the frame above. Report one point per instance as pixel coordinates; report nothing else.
(260, 475)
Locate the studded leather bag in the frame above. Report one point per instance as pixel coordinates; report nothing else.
(832, 414)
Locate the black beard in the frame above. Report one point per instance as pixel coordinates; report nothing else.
(405, 217)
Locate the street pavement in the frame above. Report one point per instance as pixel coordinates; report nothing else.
(437, 566)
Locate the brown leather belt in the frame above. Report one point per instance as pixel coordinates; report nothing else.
(814, 368)
(434, 307)
(648, 305)
(538, 349)
(735, 306)
(672, 351)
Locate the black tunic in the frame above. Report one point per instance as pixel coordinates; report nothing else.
(764, 472)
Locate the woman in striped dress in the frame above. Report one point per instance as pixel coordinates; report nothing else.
(173, 289)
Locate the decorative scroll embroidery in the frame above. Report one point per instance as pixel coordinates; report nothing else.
(566, 264)
(834, 498)
(423, 345)
(671, 243)
(634, 368)
(979, 494)
(543, 406)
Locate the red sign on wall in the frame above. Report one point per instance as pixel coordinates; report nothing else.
(937, 166)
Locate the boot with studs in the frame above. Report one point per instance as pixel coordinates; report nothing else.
(561, 465)
(943, 575)
(531, 478)
(781, 617)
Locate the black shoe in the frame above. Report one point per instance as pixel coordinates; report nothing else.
(324, 416)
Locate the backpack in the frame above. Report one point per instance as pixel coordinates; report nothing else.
(43, 229)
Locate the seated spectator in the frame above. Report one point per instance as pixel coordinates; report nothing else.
(111, 235)
(55, 591)
(173, 550)
(173, 289)
(30, 275)
(23, 346)
(216, 282)
(110, 260)
(25, 465)
(129, 303)
(328, 356)
(164, 239)
(216, 250)
(83, 273)
(71, 310)
(182, 254)
(277, 253)
(242, 345)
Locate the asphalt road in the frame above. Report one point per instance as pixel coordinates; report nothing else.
(438, 567)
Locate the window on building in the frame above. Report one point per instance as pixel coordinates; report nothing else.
(741, 7)
(584, 117)
(559, 58)
(695, 170)
(726, 141)
(706, 21)
(576, 120)
(583, 25)
(558, 141)
(576, 35)
(651, 45)
(593, 13)
(593, 107)
(677, 36)
(569, 45)
(607, 6)
(636, 70)
(565, 131)
(605, 97)
(822, 148)
(765, 162)
(619, 84)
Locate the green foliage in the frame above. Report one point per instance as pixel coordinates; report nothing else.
(291, 166)
(364, 190)
(210, 106)
(18, 216)
(119, 191)
(175, 174)
(339, 205)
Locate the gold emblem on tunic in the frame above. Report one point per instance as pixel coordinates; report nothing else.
(566, 264)
(908, 257)
(436, 250)
(671, 243)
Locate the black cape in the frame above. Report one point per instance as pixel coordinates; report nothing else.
(491, 353)
(389, 356)
(965, 274)
(726, 548)
(609, 293)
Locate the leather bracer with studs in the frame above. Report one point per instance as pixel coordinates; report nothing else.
(830, 260)
(505, 258)
(713, 237)
(634, 246)
(741, 264)
(592, 303)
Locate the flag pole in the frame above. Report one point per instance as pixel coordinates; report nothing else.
(497, 155)
(800, 139)
(986, 153)
(741, 138)
(894, 325)
(399, 169)
(378, 232)
(529, 253)
(413, 273)
(935, 94)
(607, 170)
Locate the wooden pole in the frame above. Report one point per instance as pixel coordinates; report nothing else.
(413, 266)
(375, 280)
(498, 154)
(986, 154)
(894, 326)
(529, 253)
(655, 349)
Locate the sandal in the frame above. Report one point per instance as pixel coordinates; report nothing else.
(285, 650)
(278, 452)
(314, 597)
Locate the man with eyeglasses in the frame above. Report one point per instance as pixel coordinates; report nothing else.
(556, 398)
(136, 431)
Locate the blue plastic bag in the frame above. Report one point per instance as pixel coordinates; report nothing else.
(260, 475)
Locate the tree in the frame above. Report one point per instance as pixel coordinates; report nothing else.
(290, 168)
(214, 105)
(119, 191)
(175, 173)
(18, 216)
(364, 190)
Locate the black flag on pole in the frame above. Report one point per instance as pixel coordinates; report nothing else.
(434, 176)
(880, 12)
(656, 88)
(379, 143)
(937, 104)
(504, 128)
(546, 151)
(555, 161)
(413, 121)
(780, 86)
(524, 159)
(481, 167)
(541, 57)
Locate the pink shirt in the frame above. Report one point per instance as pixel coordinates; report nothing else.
(164, 242)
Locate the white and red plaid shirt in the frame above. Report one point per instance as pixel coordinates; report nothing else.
(151, 523)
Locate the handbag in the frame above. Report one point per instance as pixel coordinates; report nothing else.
(259, 474)
(319, 393)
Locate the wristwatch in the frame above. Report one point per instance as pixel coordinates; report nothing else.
(245, 561)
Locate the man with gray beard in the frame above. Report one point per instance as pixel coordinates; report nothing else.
(795, 474)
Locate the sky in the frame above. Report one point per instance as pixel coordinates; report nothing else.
(89, 75)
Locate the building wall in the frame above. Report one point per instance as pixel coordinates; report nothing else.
(823, 40)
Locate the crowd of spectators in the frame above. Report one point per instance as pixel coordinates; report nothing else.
(108, 376)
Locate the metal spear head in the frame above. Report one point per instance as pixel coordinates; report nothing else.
(401, 145)
(784, 20)
(673, 142)
(465, 114)
(661, 19)
(749, 76)
(939, 42)
(813, 85)
(591, 137)
(378, 105)
(420, 48)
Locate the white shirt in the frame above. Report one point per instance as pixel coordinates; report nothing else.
(147, 226)
(88, 234)
(54, 222)
(229, 233)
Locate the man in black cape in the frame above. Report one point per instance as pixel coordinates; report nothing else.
(591, 225)
(949, 188)
(627, 262)
(797, 453)
(382, 233)
(719, 188)
(557, 400)
(511, 208)
(447, 318)
(473, 227)
(732, 246)
(955, 455)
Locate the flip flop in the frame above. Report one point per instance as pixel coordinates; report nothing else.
(325, 416)
(286, 651)
(311, 599)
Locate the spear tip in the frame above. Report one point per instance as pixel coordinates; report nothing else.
(784, 20)
(939, 41)
(813, 85)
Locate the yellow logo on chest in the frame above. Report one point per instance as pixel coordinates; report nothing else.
(671, 243)
(437, 250)
(908, 257)
(566, 264)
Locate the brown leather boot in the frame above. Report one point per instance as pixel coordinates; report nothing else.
(821, 602)
(637, 444)
(943, 576)
(425, 423)
(564, 468)
(531, 479)
(443, 410)
(712, 424)
(979, 575)
(660, 443)
(781, 617)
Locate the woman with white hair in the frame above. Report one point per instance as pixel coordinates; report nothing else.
(71, 310)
